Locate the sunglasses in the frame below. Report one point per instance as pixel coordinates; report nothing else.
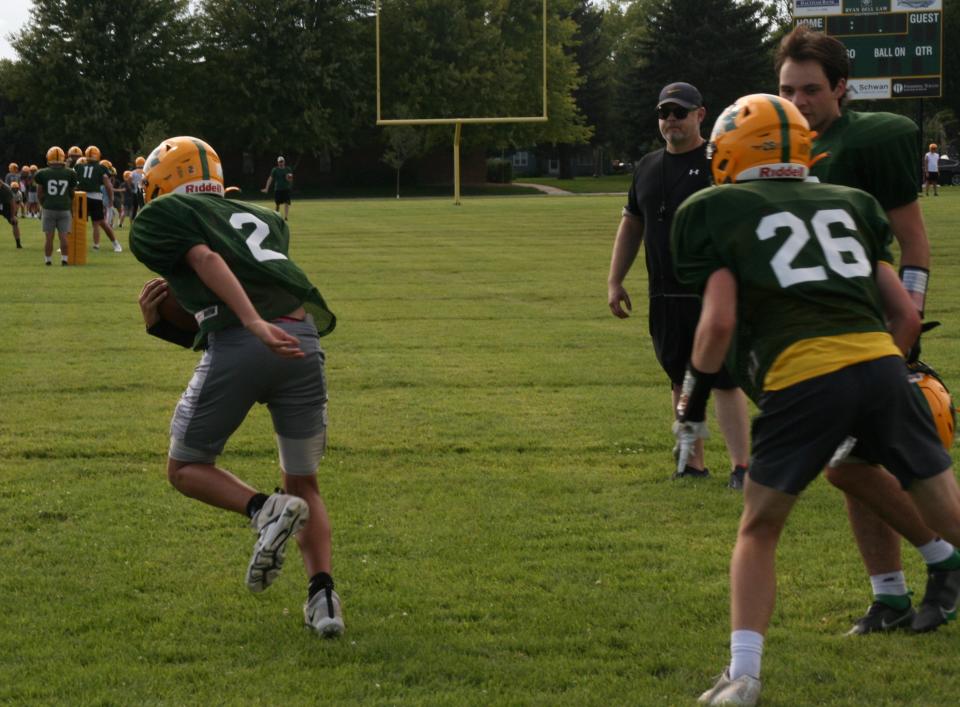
(679, 112)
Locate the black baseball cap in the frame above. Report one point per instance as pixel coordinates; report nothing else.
(683, 94)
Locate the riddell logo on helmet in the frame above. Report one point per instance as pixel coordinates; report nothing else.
(788, 171)
(203, 188)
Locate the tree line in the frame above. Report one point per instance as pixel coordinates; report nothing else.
(263, 77)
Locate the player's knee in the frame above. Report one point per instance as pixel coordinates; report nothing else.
(175, 472)
(761, 529)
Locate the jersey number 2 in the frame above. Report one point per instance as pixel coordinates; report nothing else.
(833, 248)
(259, 235)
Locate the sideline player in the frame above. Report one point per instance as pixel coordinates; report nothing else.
(282, 179)
(662, 180)
(799, 287)
(55, 186)
(875, 152)
(260, 321)
(931, 170)
(8, 209)
(92, 177)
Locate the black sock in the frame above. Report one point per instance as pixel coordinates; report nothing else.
(321, 580)
(255, 504)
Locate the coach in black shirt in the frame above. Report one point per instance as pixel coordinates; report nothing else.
(661, 182)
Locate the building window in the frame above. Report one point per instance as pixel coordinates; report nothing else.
(520, 159)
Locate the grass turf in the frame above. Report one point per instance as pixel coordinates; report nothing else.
(506, 531)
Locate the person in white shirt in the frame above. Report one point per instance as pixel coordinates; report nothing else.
(931, 170)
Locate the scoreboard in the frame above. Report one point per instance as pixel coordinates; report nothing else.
(895, 46)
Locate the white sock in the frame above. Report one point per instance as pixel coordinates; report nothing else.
(46, 259)
(891, 583)
(746, 649)
(937, 550)
(63, 258)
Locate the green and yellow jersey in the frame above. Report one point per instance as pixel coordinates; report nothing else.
(254, 243)
(804, 256)
(58, 184)
(279, 176)
(874, 152)
(90, 177)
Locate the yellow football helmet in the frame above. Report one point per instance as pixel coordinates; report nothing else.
(92, 153)
(15, 186)
(13, 167)
(938, 399)
(140, 161)
(34, 168)
(74, 152)
(182, 165)
(106, 163)
(760, 137)
(55, 155)
(126, 174)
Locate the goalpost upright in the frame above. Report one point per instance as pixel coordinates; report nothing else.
(458, 123)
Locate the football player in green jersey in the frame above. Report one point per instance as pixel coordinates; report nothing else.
(8, 209)
(92, 177)
(798, 294)
(875, 152)
(55, 186)
(260, 320)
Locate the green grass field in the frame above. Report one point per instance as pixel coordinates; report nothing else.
(498, 476)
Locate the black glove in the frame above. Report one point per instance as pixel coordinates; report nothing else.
(914, 353)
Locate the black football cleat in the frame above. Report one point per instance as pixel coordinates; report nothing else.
(690, 472)
(881, 618)
(939, 603)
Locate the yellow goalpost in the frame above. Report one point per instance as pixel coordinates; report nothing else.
(459, 122)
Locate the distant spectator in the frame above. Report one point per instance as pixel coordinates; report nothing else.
(931, 170)
(282, 179)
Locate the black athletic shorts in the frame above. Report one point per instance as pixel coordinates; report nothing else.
(95, 209)
(282, 197)
(800, 428)
(673, 322)
(933, 177)
(8, 211)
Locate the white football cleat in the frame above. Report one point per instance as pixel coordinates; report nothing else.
(322, 613)
(117, 248)
(281, 517)
(745, 690)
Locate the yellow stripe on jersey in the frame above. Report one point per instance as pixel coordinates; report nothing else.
(810, 358)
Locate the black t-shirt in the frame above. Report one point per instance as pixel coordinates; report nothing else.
(661, 182)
